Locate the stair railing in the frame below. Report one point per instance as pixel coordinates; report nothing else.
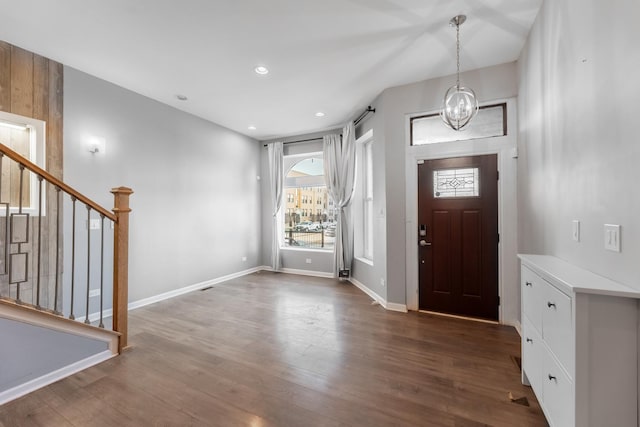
(35, 271)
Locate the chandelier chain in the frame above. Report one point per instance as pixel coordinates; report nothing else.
(458, 55)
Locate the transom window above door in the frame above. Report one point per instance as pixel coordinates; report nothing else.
(490, 122)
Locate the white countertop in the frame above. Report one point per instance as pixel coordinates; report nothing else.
(575, 279)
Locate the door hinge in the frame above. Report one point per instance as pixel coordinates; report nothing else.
(498, 175)
(498, 301)
(498, 237)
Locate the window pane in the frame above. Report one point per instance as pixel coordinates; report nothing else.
(489, 122)
(367, 203)
(451, 183)
(18, 138)
(309, 220)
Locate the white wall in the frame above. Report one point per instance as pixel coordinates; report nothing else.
(196, 202)
(578, 142)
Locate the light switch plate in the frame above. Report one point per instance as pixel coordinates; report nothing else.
(575, 230)
(612, 237)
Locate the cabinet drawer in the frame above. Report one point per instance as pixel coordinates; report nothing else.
(557, 393)
(532, 295)
(557, 326)
(532, 356)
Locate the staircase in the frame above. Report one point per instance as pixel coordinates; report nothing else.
(63, 277)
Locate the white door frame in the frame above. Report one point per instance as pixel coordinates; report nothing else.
(506, 149)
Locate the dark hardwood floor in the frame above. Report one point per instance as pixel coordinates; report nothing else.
(284, 350)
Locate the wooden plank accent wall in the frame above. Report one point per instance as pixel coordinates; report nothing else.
(32, 86)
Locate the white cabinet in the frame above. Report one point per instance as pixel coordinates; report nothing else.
(579, 344)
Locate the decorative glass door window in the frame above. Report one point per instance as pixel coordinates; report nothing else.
(453, 183)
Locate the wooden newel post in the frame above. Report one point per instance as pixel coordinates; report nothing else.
(121, 263)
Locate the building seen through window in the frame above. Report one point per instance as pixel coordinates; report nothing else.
(309, 214)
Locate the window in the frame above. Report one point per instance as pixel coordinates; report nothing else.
(491, 121)
(367, 199)
(25, 136)
(456, 183)
(306, 227)
(363, 210)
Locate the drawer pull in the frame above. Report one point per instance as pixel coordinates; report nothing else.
(529, 340)
(528, 284)
(552, 378)
(551, 304)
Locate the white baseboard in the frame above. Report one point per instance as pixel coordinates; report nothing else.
(94, 317)
(518, 327)
(51, 377)
(391, 306)
(301, 272)
(372, 294)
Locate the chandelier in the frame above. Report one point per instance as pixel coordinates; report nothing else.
(460, 103)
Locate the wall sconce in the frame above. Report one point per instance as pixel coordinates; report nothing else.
(96, 144)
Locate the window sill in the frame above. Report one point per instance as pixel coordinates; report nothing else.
(303, 249)
(364, 260)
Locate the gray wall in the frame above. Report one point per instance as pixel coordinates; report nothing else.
(390, 139)
(374, 276)
(578, 146)
(29, 352)
(197, 202)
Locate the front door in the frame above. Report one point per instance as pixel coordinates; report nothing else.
(458, 236)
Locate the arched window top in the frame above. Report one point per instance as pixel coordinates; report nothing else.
(308, 172)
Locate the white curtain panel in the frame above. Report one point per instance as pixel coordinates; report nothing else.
(276, 178)
(339, 173)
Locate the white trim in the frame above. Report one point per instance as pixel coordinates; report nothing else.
(506, 149)
(93, 317)
(195, 287)
(311, 273)
(364, 260)
(518, 327)
(303, 249)
(369, 292)
(63, 325)
(391, 306)
(37, 383)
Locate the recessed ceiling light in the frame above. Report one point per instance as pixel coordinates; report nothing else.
(319, 114)
(251, 127)
(181, 97)
(261, 69)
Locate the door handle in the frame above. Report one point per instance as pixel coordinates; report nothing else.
(424, 243)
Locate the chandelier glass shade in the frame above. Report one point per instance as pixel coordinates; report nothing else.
(460, 104)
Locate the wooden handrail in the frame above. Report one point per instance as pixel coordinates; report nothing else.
(55, 181)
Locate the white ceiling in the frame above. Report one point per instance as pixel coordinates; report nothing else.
(333, 56)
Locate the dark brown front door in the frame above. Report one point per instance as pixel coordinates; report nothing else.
(458, 236)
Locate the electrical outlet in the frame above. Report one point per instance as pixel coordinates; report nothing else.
(382, 282)
(94, 224)
(308, 261)
(244, 259)
(94, 293)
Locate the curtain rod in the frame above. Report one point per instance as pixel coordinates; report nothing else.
(363, 115)
(355, 123)
(300, 141)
